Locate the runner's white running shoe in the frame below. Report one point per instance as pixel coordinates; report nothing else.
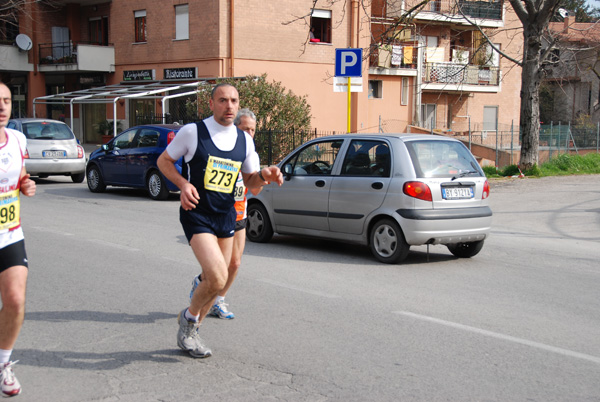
(220, 310)
(9, 383)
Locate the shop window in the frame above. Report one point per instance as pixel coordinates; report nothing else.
(140, 25)
(320, 26)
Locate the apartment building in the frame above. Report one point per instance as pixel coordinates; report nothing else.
(123, 57)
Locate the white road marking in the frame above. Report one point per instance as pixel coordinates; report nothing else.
(115, 245)
(504, 337)
(312, 292)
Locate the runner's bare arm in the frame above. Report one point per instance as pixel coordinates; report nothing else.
(189, 195)
(254, 181)
(27, 185)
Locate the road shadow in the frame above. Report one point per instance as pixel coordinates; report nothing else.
(95, 361)
(97, 316)
(319, 250)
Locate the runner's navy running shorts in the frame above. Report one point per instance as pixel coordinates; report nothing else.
(220, 225)
(13, 255)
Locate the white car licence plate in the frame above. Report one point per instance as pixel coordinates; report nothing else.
(54, 154)
(456, 193)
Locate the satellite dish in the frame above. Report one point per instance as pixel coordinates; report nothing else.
(23, 42)
(563, 13)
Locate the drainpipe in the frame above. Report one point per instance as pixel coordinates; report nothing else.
(115, 116)
(231, 39)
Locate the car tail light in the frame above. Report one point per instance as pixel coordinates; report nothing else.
(26, 154)
(80, 152)
(418, 190)
(486, 190)
(170, 137)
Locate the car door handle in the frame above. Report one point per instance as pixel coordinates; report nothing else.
(377, 185)
(320, 183)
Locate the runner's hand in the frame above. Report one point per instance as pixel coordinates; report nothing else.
(189, 197)
(27, 185)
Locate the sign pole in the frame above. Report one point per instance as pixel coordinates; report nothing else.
(349, 104)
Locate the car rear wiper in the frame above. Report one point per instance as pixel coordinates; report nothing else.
(463, 173)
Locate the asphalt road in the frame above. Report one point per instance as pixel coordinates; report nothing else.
(315, 320)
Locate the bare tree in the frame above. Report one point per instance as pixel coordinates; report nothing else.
(535, 16)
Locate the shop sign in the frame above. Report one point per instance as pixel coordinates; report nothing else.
(180, 73)
(138, 75)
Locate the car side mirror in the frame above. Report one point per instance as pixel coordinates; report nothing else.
(287, 171)
(104, 147)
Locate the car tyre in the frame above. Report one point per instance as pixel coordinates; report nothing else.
(466, 250)
(258, 227)
(95, 181)
(78, 178)
(157, 186)
(387, 242)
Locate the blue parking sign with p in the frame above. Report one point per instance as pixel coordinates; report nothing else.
(348, 62)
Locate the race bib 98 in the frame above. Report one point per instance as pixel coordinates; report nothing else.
(9, 210)
(221, 174)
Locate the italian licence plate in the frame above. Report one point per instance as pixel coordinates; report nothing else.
(457, 193)
(54, 154)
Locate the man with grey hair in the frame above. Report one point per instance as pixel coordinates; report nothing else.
(245, 120)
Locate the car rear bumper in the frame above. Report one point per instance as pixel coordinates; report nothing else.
(55, 166)
(446, 226)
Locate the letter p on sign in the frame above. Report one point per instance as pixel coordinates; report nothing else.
(348, 62)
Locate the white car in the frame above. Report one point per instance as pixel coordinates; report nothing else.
(52, 149)
(387, 191)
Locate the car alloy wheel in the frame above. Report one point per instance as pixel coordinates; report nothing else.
(387, 242)
(94, 180)
(156, 186)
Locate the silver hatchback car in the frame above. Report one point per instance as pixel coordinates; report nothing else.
(52, 149)
(387, 191)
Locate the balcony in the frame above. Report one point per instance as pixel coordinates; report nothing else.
(394, 60)
(455, 77)
(485, 13)
(76, 57)
(13, 59)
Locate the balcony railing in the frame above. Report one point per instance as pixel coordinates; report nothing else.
(461, 74)
(58, 53)
(475, 9)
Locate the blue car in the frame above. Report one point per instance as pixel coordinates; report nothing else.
(129, 160)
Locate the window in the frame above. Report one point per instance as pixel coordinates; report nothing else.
(140, 25)
(148, 138)
(404, 95)
(375, 89)
(125, 140)
(428, 114)
(320, 25)
(99, 31)
(367, 158)
(490, 118)
(316, 159)
(182, 22)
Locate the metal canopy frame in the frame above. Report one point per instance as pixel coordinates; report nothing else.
(113, 93)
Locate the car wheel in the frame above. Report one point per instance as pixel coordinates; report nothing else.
(78, 178)
(466, 250)
(95, 181)
(387, 242)
(156, 186)
(258, 227)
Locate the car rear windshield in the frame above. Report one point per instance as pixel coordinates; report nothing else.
(442, 159)
(39, 130)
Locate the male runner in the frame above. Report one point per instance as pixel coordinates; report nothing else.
(245, 121)
(14, 181)
(214, 151)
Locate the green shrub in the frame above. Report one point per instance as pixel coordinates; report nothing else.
(511, 170)
(491, 171)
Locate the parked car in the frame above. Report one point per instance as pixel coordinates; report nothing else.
(129, 160)
(52, 149)
(388, 191)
